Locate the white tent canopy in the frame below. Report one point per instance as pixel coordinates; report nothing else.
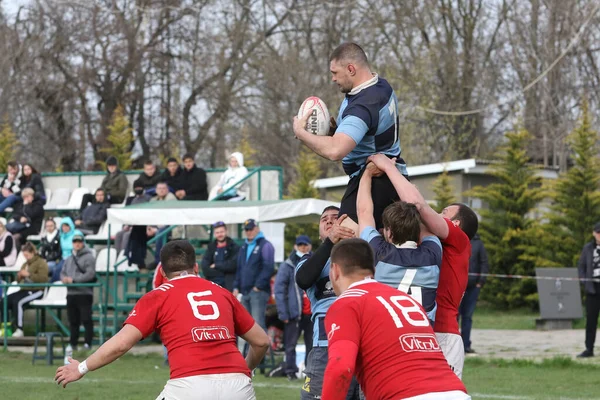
(208, 212)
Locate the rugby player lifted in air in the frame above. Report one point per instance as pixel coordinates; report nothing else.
(367, 124)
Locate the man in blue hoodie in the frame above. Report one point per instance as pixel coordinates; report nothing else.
(256, 263)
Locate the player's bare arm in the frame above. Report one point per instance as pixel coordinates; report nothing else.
(364, 201)
(409, 193)
(259, 344)
(333, 148)
(114, 348)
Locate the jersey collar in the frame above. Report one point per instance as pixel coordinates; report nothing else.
(182, 277)
(407, 245)
(366, 280)
(364, 85)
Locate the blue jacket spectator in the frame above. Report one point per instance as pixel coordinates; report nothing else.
(67, 230)
(256, 264)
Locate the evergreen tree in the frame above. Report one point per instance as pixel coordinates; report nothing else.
(308, 168)
(8, 145)
(444, 191)
(515, 193)
(120, 139)
(575, 206)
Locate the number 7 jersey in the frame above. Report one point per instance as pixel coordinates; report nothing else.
(398, 353)
(197, 321)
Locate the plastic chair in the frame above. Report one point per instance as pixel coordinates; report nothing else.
(75, 199)
(105, 256)
(60, 197)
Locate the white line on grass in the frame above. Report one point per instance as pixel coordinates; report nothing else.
(34, 379)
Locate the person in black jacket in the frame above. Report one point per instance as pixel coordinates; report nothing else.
(589, 268)
(27, 216)
(149, 178)
(31, 178)
(50, 249)
(478, 264)
(94, 214)
(219, 263)
(172, 175)
(193, 181)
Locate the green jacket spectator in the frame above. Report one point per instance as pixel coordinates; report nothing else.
(115, 183)
(37, 268)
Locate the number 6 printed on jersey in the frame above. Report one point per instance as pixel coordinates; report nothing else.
(196, 304)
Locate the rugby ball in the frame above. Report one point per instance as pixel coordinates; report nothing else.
(318, 121)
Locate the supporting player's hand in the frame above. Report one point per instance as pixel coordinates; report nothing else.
(68, 373)
(332, 126)
(372, 170)
(339, 232)
(299, 124)
(383, 162)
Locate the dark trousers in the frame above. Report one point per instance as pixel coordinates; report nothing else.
(16, 303)
(291, 332)
(79, 311)
(306, 328)
(382, 191)
(592, 308)
(466, 310)
(315, 371)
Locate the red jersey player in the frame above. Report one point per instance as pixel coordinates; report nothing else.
(455, 226)
(198, 322)
(382, 335)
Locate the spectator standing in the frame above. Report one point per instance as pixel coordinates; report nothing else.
(193, 181)
(27, 217)
(255, 266)
(135, 250)
(227, 183)
(10, 186)
(173, 175)
(35, 270)
(80, 267)
(94, 214)
(162, 193)
(50, 248)
(149, 178)
(219, 262)
(589, 268)
(288, 299)
(8, 250)
(478, 264)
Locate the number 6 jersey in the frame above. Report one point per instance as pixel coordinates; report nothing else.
(398, 354)
(197, 321)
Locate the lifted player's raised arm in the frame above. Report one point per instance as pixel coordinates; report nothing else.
(410, 194)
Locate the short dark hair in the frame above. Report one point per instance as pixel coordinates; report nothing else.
(188, 156)
(468, 219)
(172, 159)
(29, 247)
(353, 255)
(329, 208)
(148, 162)
(403, 220)
(177, 255)
(162, 183)
(12, 164)
(100, 190)
(350, 53)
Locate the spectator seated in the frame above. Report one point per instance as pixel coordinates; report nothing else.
(27, 217)
(93, 215)
(227, 188)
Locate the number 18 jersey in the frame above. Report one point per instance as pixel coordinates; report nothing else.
(398, 353)
(197, 321)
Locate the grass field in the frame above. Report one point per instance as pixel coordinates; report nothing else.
(142, 377)
(487, 317)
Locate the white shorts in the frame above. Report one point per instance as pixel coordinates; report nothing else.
(454, 351)
(453, 395)
(209, 387)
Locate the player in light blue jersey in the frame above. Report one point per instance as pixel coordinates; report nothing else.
(367, 124)
(402, 263)
(312, 275)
